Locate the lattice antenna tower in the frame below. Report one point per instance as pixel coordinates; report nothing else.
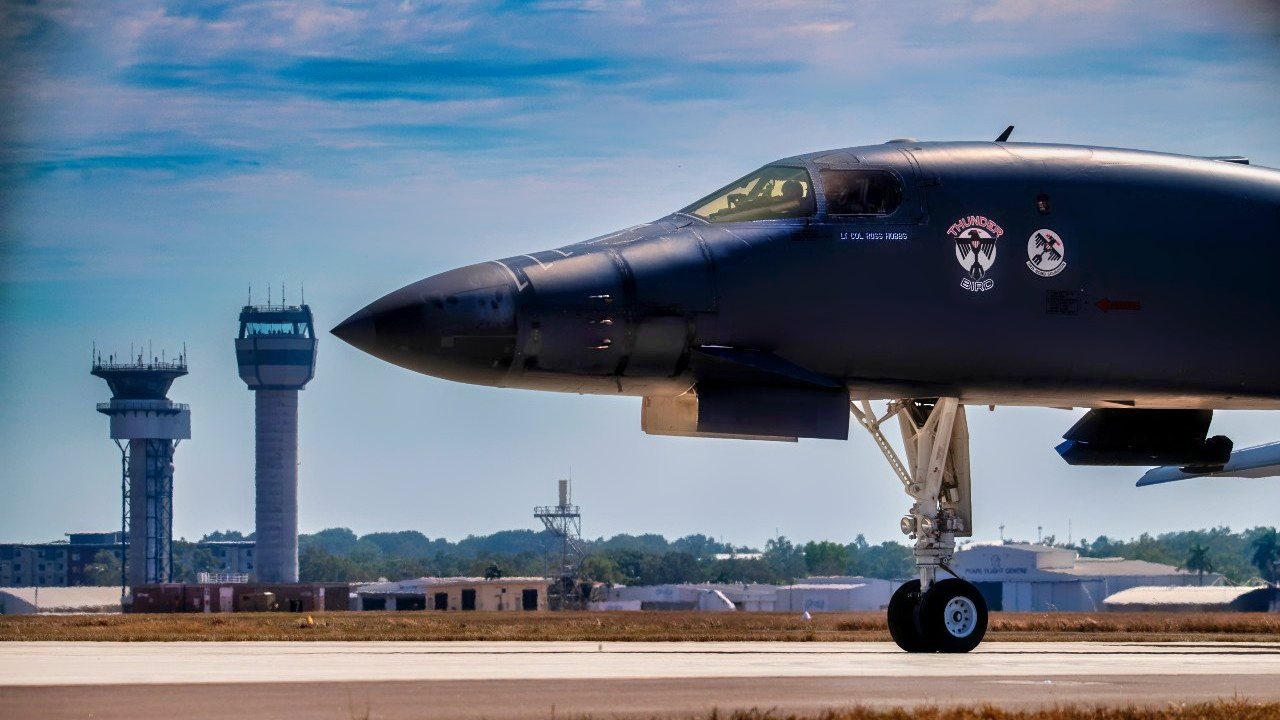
(564, 521)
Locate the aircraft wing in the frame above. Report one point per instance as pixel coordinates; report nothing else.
(1255, 462)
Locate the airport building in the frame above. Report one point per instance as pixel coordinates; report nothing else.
(1025, 577)
(1215, 598)
(66, 563)
(56, 564)
(713, 597)
(816, 594)
(60, 600)
(837, 594)
(454, 593)
(224, 597)
(230, 557)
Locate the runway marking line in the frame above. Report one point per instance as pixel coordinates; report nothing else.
(115, 663)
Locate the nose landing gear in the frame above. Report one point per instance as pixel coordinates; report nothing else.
(950, 617)
(928, 614)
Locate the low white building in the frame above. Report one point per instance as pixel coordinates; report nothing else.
(1025, 577)
(839, 594)
(614, 606)
(453, 593)
(1216, 598)
(819, 594)
(81, 599)
(234, 557)
(739, 556)
(708, 597)
(753, 597)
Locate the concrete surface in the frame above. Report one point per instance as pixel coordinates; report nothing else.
(528, 680)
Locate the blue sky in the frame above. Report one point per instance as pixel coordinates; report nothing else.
(157, 158)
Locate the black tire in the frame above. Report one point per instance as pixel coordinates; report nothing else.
(904, 623)
(953, 616)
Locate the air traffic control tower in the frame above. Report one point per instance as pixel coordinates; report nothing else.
(276, 353)
(147, 426)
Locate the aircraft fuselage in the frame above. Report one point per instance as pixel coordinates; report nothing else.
(1006, 273)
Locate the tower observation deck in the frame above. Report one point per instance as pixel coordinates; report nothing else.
(276, 355)
(147, 427)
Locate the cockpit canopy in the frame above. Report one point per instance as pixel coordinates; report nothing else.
(784, 191)
(860, 192)
(773, 192)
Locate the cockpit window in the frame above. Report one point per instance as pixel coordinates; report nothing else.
(861, 192)
(773, 192)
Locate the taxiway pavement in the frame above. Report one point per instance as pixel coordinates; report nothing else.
(545, 679)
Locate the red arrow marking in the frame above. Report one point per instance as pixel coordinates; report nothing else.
(1106, 305)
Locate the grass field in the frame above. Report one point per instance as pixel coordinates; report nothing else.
(1230, 710)
(619, 626)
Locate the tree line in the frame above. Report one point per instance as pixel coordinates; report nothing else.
(1242, 556)
(339, 555)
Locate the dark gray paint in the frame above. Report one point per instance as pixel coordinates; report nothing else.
(1192, 240)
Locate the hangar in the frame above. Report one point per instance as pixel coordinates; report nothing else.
(1026, 577)
(712, 597)
(1218, 598)
(814, 594)
(835, 594)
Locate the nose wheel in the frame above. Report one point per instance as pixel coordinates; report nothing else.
(904, 618)
(928, 614)
(951, 617)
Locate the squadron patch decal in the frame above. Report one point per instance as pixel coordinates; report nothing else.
(1046, 255)
(975, 238)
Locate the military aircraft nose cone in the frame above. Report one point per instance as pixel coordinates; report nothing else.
(459, 325)
(358, 331)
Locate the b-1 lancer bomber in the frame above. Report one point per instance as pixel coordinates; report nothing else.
(931, 275)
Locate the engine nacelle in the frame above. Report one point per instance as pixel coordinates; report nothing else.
(750, 412)
(1110, 436)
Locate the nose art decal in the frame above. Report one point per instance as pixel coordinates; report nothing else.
(975, 239)
(1046, 255)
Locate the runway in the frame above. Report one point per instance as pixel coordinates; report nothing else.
(539, 679)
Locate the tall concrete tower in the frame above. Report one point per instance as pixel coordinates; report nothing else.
(147, 427)
(276, 352)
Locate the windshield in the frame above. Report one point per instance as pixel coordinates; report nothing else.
(772, 192)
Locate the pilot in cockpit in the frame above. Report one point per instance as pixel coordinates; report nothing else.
(792, 191)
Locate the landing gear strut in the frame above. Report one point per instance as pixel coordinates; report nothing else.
(931, 614)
